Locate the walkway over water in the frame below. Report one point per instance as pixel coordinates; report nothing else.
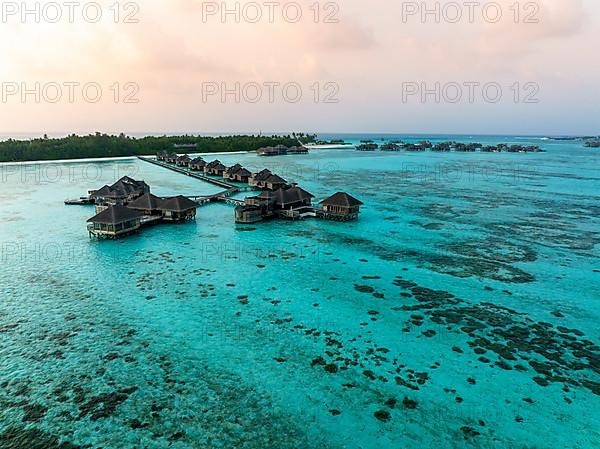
(223, 196)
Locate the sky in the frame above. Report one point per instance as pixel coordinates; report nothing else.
(348, 66)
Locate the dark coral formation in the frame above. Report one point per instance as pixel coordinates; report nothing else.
(555, 354)
(21, 438)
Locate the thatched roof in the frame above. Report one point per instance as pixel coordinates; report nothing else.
(233, 169)
(291, 196)
(178, 204)
(243, 172)
(275, 179)
(213, 164)
(341, 199)
(147, 202)
(115, 215)
(266, 195)
(102, 192)
(262, 175)
(127, 185)
(123, 188)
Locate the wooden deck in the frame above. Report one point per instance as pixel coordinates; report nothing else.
(299, 213)
(149, 220)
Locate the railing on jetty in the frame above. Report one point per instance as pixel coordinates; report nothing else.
(202, 200)
(183, 171)
(299, 213)
(149, 220)
(218, 197)
(233, 201)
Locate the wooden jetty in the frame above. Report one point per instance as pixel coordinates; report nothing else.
(278, 199)
(223, 196)
(217, 182)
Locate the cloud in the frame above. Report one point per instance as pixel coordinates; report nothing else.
(369, 52)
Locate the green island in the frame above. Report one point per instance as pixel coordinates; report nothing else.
(101, 145)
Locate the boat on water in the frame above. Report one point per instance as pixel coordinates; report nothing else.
(81, 201)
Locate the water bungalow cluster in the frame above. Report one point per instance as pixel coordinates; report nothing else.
(367, 147)
(332, 142)
(279, 197)
(448, 146)
(293, 203)
(278, 150)
(281, 150)
(128, 205)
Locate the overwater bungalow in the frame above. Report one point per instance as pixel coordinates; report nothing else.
(367, 147)
(522, 149)
(171, 158)
(265, 199)
(183, 161)
(131, 185)
(178, 208)
(340, 207)
(215, 168)
(535, 149)
(121, 192)
(102, 194)
(147, 204)
(114, 222)
(256, 208)
(238, 175)
(197, 164)
(294, 203)
(292, 198)
(258, 179)
(442, 147)
(291, 202)
(298, 150)
(464, 148)
(273, 151)
(413, 147)
(230, 170)
(390, 147)
(242, 175)
(274, 182)
(249, 214)
(161, 155)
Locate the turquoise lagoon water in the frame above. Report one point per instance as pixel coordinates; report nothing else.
(460, 311)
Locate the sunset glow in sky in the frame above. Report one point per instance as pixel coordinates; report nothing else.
(179, 55)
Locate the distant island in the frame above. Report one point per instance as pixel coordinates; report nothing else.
(100, 145)
(588, 141)
(426, 145)
(332, 142)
